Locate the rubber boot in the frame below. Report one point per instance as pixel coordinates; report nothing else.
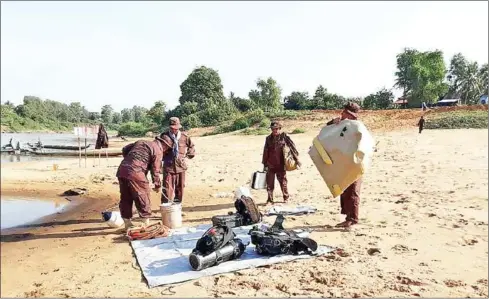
(127, 223)
(145, 222)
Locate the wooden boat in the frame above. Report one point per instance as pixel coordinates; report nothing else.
(59, 147)
(90, 153)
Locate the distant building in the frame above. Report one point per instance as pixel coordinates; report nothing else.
(401, 103)
(448, 102)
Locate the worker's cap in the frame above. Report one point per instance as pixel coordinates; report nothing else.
(352, 108)
(175, 123)
(275, 125)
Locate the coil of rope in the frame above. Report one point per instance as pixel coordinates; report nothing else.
(156, 230)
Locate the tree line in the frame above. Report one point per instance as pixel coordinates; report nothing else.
(423, 77)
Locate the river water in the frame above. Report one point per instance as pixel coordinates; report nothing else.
(17, 211)
(45, 138)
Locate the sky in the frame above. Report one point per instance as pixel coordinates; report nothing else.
(135, 53)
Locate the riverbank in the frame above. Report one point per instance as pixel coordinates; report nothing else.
(424, 206)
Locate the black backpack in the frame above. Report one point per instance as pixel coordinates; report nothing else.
(246, 207)
(213, 239)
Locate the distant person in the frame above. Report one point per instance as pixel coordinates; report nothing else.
(140, 158)
(421, 124)
(350, 198)
(102, 138)
(174, 161)
(274, 160)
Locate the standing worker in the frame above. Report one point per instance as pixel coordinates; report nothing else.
(174, 164)
(102, 138)
(350, 198)
(421, 124)
(274, 160)
(139, 158)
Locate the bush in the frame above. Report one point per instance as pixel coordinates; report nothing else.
(264, 123)
(133, 129)
(191, 121)
(258, 131)
(298, 131)
(458, 120)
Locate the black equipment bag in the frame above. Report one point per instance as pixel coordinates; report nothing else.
(232, 220)
(277, 240)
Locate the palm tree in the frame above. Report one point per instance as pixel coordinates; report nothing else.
(470, 83)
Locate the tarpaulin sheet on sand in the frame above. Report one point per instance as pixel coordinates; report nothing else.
(165, 260)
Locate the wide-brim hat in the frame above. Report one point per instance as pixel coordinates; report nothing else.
(352, 109)
(175, 123)
(275, 125)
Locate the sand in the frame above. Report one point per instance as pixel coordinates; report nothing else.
(424, 207)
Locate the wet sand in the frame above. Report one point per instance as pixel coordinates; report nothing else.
(424, 207)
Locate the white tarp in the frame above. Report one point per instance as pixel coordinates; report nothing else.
(165, 260)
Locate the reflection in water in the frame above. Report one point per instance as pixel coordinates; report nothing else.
(16, 212)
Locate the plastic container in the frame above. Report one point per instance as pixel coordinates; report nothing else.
(342, 154)
(171, 214)
(113, 219)
(259, 180)
(242, 191)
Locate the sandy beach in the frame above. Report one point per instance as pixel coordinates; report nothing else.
(424, 206)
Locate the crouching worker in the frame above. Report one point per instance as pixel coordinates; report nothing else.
(139, 158)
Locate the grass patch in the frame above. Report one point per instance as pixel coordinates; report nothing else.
(244, 121)
(255, 131)
(457, 120)
(298, 131)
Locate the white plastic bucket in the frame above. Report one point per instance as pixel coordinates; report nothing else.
(171, 214)
(115, 219)
(242, 191)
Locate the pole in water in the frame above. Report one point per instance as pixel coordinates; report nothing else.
(85, 151)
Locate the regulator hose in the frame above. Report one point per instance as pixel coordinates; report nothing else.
(156, 230)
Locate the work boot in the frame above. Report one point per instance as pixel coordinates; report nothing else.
(145, 222)
(127, 223)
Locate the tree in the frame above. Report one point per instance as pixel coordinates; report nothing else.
(157, 112)
(106, 114)
(317, 101)
(268, 95)
(95, 116)
(116, 118)
(421, 75)
(382, 99)
(139, 113)
(297, 101)
(127, 115)
(466, 79)
(202, 84)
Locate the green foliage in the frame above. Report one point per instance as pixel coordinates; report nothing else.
(297, 101)
(255, 131)
(466, 79)
(383, 99)
(133, 129)
(268, 95)
(421, 75)
(107, 114)
(157, 113)
(298, 131)
(458, 120)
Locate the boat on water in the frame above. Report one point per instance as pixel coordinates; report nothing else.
(57, 147)
(91, 153)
